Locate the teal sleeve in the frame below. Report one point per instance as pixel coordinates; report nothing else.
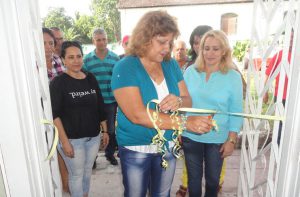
(124, 75)
(178, 72)
(236, 103)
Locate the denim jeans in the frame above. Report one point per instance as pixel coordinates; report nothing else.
(80, 167)
(142, 171)
(111, 110)
(197, 153)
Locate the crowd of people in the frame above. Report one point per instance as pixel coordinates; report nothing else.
(101, 92)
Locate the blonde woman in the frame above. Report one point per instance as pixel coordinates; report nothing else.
(212, 84)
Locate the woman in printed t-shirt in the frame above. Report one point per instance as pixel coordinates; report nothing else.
(78, 114)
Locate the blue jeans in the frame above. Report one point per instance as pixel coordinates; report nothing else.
(197, 153)
(111, 110)
(142, 171)
(80, 167)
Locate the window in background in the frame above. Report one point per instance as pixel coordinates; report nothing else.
(229, 23)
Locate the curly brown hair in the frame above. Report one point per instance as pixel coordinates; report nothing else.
(153, 23)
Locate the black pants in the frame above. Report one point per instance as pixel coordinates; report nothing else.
(111, 110)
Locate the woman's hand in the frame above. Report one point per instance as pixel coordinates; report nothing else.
(227, 149)
(68, 149)
(105, 139)
(170, 103)
(199, 124)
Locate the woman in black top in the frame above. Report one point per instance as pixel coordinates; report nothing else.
(77, 107)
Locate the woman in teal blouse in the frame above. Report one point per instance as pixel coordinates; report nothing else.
(214, 85)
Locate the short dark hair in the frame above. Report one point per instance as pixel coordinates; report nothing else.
(67, 44)
(49, 32)
(198, 31)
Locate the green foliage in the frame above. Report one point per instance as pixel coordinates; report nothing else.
(240, 48)
(57, 18)
(70, 34)
(108, 17)
(84, 26)
(105, 15)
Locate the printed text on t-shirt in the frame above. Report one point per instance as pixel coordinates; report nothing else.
(81, 94)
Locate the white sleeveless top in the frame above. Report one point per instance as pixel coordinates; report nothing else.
(162, 92)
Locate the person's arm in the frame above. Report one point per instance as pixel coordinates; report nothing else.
(130, 101)
(66, 145)
(172, 102)
(105, 133)
(100, 105)
(57, 106)
(266, 95)
(268, 73)
(125, 85)
(234, 122)
(228, 147)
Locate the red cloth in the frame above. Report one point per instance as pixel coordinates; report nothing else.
(275, 61)
(125, 39)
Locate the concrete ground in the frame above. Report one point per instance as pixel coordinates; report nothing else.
(107, 179)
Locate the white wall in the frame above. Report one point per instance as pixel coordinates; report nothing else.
(191, 16)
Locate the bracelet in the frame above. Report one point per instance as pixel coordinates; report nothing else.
(180, 101)
(183, 122)
(231, 140)
(104, 132)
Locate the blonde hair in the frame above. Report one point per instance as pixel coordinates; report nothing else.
(150, 25)
(226, 60)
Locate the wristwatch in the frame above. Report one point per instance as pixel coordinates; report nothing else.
(232, 140)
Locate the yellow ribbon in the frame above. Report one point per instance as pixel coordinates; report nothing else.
(176, 133)
(55, 139)
(206, 111)
(159, 139)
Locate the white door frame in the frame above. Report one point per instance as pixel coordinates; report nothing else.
(23, 82)
(282, 172)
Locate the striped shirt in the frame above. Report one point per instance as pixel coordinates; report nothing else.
(102, 69)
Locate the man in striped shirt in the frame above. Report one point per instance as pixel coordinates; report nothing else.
(100, 62)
